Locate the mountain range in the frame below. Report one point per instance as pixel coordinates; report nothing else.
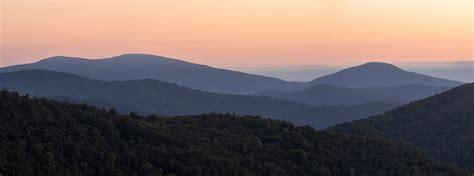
(442, 124)
(44, 137)
(144, 66)
(210, 79)
(157, 97)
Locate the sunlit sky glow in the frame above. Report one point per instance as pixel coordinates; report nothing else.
(234, 33)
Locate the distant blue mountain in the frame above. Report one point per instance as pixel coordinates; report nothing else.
(144, 66)
(376, 74)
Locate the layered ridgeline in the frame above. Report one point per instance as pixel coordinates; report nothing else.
(143, 66)
(442, 124)
(43, 137)
(157, 97)
(325, 94)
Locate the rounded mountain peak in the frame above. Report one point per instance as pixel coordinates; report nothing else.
(378, 65)
(56, 59)
(127, 55)
(148, 58)
(374, 67)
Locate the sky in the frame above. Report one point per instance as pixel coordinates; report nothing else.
(240, 33)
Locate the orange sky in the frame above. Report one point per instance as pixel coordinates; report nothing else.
(234, 33)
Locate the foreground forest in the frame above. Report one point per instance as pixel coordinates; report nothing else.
(442, 124)
(44, 137)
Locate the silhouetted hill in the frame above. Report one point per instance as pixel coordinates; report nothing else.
(43, 137)
(143, 66)
(377, 74)
(442, 124)
(324, 94)
(151, 96)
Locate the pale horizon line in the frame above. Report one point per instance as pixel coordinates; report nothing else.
(311, 65)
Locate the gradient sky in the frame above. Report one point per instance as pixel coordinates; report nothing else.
(235, 33)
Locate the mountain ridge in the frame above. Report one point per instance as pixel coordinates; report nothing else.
(146, 66)
(210, 79)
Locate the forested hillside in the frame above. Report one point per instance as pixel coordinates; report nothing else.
(43, 137)
(442, 124)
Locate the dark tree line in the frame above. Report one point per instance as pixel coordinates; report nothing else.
(44, 137)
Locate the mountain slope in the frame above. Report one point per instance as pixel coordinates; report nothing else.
(321, 95)
(42, 137)
(443, 124)
(143, 66)
(151, 96)
(377, 74)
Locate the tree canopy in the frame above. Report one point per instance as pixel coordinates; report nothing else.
(45, 137)
(443, 124)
